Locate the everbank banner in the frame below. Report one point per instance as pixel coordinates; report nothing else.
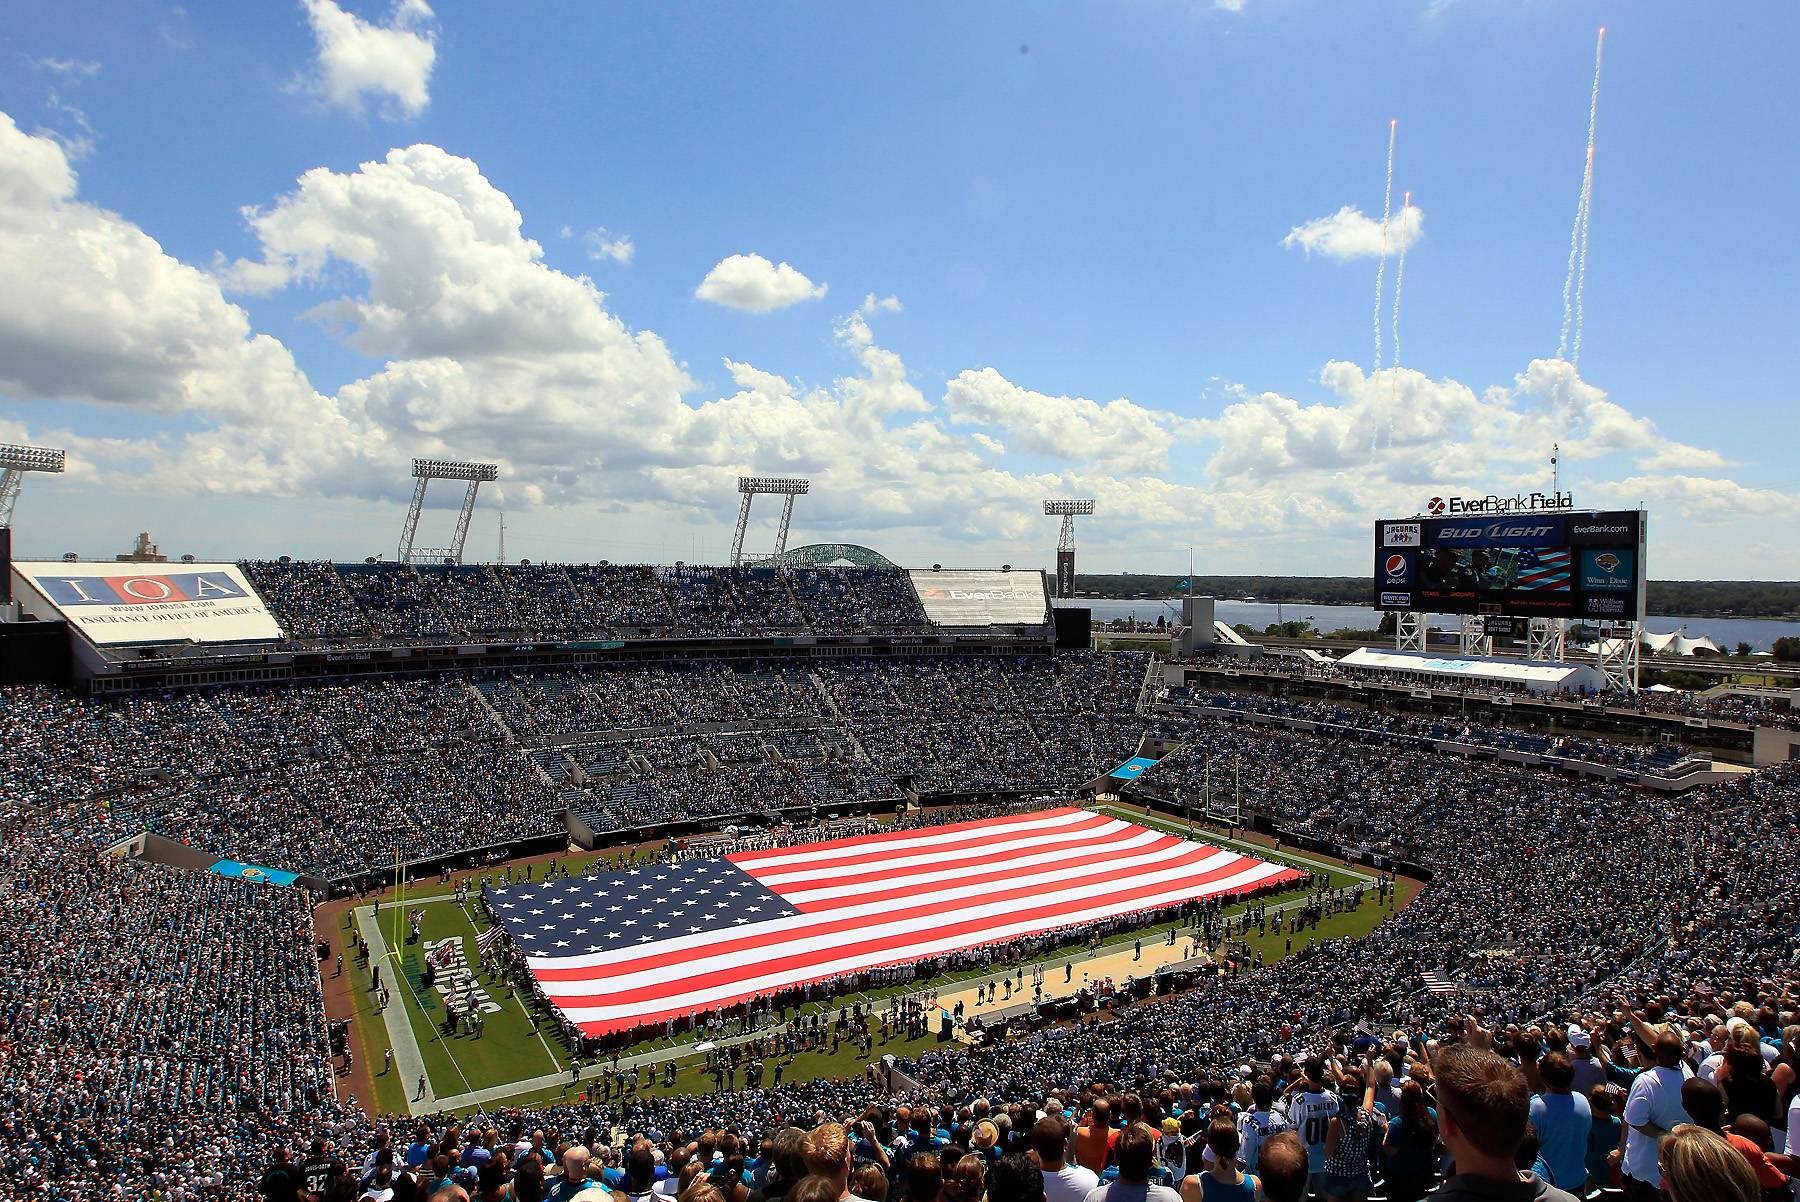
(113, 603)
(958, 597)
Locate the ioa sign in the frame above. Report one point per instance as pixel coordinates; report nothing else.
(1530, 502)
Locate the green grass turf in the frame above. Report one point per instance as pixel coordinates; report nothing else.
(509, 1051)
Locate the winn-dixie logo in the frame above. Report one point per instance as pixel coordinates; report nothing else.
(1526, 502)
(69, 591)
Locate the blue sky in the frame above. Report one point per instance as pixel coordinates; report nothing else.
(1079, 210)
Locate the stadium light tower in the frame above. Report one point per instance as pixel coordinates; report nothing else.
(787, 487)
(424, 472)
(1065, 542)
(15, 461)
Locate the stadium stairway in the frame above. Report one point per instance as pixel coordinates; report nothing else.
(837, 715)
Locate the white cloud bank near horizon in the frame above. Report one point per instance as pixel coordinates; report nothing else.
(422, 264)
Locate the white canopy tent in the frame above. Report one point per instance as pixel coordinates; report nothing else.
(1464, 671)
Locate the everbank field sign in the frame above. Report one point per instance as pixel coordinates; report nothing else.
(1525, 502)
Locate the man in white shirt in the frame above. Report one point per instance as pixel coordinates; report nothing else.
(1309, 1113)
(1063, 1182)
(1257, 1124)
(1652, 1110)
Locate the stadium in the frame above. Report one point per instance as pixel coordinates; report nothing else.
(902, 864)
(332, 857)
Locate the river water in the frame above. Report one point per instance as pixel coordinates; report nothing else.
(1760, 633)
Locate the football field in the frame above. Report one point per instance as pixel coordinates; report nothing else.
(512, 1056)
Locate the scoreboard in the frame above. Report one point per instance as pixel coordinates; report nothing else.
(1588, 566)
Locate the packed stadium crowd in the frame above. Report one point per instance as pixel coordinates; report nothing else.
(1658, 759)
(390, 602)
(162, 1033)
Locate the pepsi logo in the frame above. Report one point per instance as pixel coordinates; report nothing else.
(1396, 564)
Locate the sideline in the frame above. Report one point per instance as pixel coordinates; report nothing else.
(407, 1058)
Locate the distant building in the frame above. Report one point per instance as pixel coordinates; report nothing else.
(144, 552)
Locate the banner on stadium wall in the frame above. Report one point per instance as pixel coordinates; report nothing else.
(963, 597)
(251, 872)
(116, 603)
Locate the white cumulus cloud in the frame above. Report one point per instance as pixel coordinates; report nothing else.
(358, 60)
(619, 248)
(755, 285)
(420, 261)
(1349, 233)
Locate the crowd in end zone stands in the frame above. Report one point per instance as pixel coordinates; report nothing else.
(328, 779)
(1629, 957)
(332, 604)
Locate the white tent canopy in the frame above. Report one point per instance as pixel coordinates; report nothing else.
(1461, 671)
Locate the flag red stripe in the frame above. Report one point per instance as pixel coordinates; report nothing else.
(973, 871)
(694, 986)
(1023, 902)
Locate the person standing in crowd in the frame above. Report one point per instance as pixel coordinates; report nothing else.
(1411, 1146)
(1310, 1110)
(1063, 1182)
(1695, 1165)
(1258, 1123)
(1095, 1138)
(1652, 1110)
(1224, 1179)
(1353, 1127)
(1483, 1108)
(1284, 1167)
(280, 1183)
(1563, 1121)
(1135, 1150)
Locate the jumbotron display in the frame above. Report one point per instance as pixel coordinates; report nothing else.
(1582, 565)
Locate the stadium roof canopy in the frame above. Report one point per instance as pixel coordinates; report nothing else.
(825, 555)
(1535, 675)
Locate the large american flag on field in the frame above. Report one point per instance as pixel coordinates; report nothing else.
(669, 940)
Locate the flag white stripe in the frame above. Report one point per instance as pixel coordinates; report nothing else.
(924, 838)
(1201, 859)
(978, 853)
(802, 897)
(1083, 887)
(706, 998)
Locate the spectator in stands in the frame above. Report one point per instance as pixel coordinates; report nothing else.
(1284, 1167)
(1224, 1178)
(1483, 1107)
(827, 1151)
(923, 1177)
(1652, 1110)
(1063, 1182)
(1563, 1121)
(1411, 1147)
(1696, 1165)
(1095, 1138)
(1015, 1178)
(1135, 1151)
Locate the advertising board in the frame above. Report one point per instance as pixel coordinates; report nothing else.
(1580, 565)
(962, 597)
(123, 603)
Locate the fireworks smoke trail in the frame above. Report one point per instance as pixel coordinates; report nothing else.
(1387, 202)
(1578, 236)
(1587, 210)
(1400, 278)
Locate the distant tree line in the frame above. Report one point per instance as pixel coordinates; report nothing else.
(1697, 598)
